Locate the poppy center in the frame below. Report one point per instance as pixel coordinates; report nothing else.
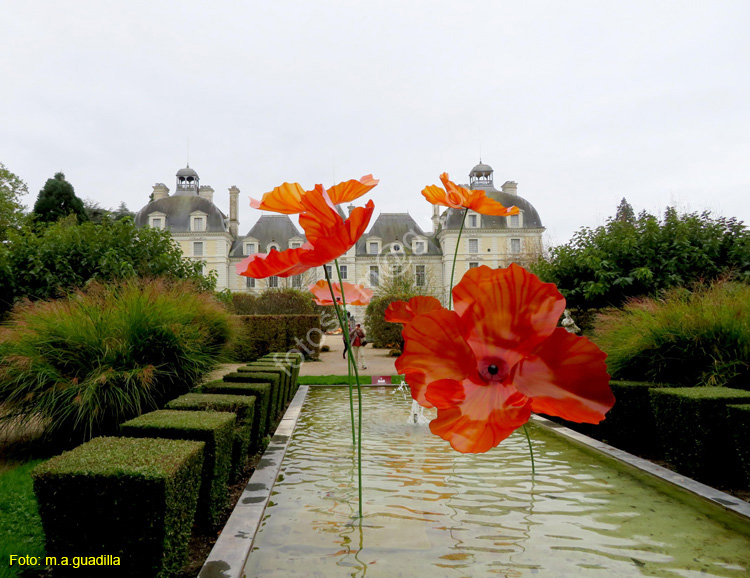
(494, 369)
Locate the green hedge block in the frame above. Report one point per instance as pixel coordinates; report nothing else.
(693, 425)
(242, 406)
(261, 391)
(216, 429)
(270, 368)
(265, 375)
(292, 360)
(739, 420)
(127, 497)
(260, 334)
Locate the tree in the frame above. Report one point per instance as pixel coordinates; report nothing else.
(96, 213)
(12, 188)
(58, 199)
(641, 256)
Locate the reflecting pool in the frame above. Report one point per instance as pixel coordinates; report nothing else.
(433, 512)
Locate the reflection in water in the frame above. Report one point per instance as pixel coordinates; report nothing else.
(433, 512)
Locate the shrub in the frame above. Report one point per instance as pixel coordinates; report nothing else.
(107, 354)
(325, 349)
(640, 256)
(257, 335)
(216, 429)
(131, 498)
(687, 338)
(394, 353)
(61, 257)
(261, 391)
(264, 373)
(739, 418)
(379, 331)
(692, 423)
(242, 406)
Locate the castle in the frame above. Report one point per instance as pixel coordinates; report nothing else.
(394, 244)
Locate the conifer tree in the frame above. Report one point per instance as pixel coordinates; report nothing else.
(58, 199)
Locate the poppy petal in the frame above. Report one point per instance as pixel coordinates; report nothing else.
(279, 263)
(566, 377)
(354, 294)
(434, 346)
(286, 199)
(406, 311)
(416, 382)
(486, 416)
(349, 190)
(481, 203)
(506, 309)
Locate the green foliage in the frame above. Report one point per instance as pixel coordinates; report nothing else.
(106, 354)
(21, 529)
(636, 256)
(98, 214)
(266, 373)
(216, 429)
(56, 200)
(381, 332)
(692, 424)
(687, 338)
(261, 391)
(12, 189)
(131, 498)
(274, 302)
(242, 406)
(257, 335)
(42, 265)
(739, 419)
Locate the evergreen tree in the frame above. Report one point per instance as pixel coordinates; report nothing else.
(625, 212)
(58, 199)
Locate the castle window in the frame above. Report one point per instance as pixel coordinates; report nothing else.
(249, 282)
(197, 248)
(329, 270)
(344, 270)
(197, 224)
(251, 248)
(297, 281)
(473, 265)
(473, 245)
(515, 221)
(396, 248)
(373, 249)
(420, 275)
(295, 245)
(273, 247)
(157, 223)
(157, 220)
(419, 247)
(473, 221)
(374, 276)
(515, 245)
(273, 282)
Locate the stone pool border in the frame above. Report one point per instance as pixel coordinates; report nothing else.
(231, 551)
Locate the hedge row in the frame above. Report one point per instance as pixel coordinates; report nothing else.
(135, 497)
(702, 432)
(258, 335)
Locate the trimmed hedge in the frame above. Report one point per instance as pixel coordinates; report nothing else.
(292, 360)
(261, 391)
(739, 418)
(131, 498)
(269, 375)
(258, 335)
(243, 407)
(216, 429)
(693, 423)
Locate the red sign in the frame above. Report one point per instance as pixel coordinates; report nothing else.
(381, 380)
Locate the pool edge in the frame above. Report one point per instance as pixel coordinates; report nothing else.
(229, 554)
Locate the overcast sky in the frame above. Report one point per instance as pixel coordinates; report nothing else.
(581, 103)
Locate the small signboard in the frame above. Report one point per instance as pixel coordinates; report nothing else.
(381, 380)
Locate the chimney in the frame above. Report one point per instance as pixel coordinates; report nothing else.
(160, 192)
(510, 187)
(206, 192)
(435, 218)
(234, 223)
(350, 208)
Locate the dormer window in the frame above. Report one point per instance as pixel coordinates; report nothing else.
(251, 248)
(157, 220)
(472, 221)
(273, 247)
(295, 245)
(419, 247)
(515, 221)
(396, 248)
(198, 222)
(373, 248)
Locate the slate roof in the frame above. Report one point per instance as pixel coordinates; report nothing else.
(531, 219)
(396, 227)
(178, 209)
(269, 228)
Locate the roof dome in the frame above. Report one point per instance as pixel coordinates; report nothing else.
(481, 170)
(179, 208)
(187, 172)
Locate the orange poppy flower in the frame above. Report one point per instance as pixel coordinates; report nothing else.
(457, 197)
(354, 294)
(406, 311)
(328, 237)
(287, 198)
(499, 356)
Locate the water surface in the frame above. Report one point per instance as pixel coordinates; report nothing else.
(430, 511)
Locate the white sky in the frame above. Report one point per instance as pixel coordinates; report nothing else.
(580, 102)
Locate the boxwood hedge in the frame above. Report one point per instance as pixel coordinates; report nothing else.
(261, 391)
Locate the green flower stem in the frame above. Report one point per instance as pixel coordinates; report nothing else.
(344, 333)
(455, 256)
(531, 449)
(353, 363)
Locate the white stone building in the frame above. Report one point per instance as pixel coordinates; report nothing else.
(394, 242)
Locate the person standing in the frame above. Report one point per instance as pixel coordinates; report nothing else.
(357, 339)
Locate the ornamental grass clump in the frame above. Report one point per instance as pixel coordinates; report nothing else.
(687, 338)
(106, 354)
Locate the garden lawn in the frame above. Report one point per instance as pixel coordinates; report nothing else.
(21, 530)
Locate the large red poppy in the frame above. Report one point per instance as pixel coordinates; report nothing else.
(353, 294)
(328, 237)
(287, 198)
(499, 356)
(457, 197)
